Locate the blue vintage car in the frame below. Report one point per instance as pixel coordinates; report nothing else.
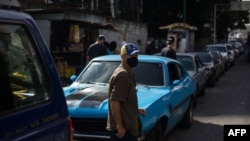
(164, 89)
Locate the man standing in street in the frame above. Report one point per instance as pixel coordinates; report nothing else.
(97, 49)
(123, 106)
(169, 51)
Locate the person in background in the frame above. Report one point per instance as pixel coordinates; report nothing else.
(97, 49)
(160, 46)
(169, 51)
(106, 43)
(122, 99)
(150, 48)
(112, 47)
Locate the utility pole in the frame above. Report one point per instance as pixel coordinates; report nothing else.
(215, 17)
(222, 8)
(184, 11)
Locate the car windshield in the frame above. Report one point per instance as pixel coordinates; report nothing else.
(216, 48)
(187, 61)
(205, 57)
(98, 72)
(230, 47)
(216, 55)
(146, 73)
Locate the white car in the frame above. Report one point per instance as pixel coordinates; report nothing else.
(223, 49)
(231, 54)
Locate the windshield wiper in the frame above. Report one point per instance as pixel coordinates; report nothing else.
(143, 85)
(90, 82)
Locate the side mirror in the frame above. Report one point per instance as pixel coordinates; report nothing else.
(176, 82)
(73, 78)
(201, 69)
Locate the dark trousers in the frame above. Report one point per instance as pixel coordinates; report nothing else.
(127, 137)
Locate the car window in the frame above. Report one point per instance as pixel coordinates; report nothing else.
(216, 56)
(175, 72)
(148, 73)
(198, 62)
(98, 72)
(216, 48)
(205, 57)
(187, 61)
(22, 76)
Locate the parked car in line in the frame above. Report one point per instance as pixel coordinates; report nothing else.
(222, 48)
(247, 53)
(195, 69)
(212, 66)
(231, 54)
(32, 102)
(164, 90)
(238, 45)
(221, 61)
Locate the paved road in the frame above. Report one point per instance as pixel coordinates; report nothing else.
(226, 103)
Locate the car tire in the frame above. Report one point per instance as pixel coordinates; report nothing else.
(187, 120)
(156, 134)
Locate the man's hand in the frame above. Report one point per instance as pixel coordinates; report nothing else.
(120, 132)
(142, 111)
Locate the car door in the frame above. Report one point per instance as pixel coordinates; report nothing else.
(32, 104)
(201, 73)
(179, 94)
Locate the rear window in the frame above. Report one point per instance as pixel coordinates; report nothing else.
(205, 57)
(216, 48)
(23, 80)
(187, 61)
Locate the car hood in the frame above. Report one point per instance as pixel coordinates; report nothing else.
(89, 96)
(92, 100)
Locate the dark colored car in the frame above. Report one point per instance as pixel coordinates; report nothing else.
(211, 65)
(32, 103)
(218, 57)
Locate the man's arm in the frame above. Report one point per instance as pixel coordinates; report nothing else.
(116, 112)
(87, 59)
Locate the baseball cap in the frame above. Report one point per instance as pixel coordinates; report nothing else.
(101, 37)
(170, 40)
(129, 49)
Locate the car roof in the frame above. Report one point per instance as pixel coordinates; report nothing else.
(186, 54)
(217, 45)
(13, 15)
(144, 58)
(199, 52)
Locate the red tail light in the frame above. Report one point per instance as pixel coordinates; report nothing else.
(70, 130)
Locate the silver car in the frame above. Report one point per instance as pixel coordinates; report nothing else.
(223, 49)
(231, 54)
(195, 69)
